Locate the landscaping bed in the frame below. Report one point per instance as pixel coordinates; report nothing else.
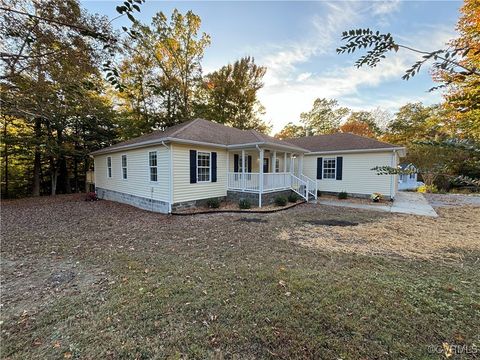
(232, 207)
(355, 200)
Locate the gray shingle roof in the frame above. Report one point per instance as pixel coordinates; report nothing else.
(338, 142)
(204, 131)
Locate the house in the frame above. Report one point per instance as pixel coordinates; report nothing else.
(408, 181)
(187, 164)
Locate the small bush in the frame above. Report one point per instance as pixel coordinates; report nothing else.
(244, 204)
(427, 189)
(343, 195)
(376, 197)
(292, 197)
(281, 201)
(213, 203)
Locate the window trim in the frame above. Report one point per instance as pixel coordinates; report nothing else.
(209, 167)
(334, 168)
(277, 162)
(109, 168)
(124, 167)
(150, 166)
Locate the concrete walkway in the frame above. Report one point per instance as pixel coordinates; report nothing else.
(405, 203)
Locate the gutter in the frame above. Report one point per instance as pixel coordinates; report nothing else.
(400, 149)
(193, 142)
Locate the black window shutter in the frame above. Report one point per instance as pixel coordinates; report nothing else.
(235, 162)
(249, 163)
(339, 167)
(319, 168)
(193, 166)
(214, 166)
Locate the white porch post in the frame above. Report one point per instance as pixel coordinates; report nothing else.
(285, 162)
(243, 170)
(274, 162)
(292, 168)
(228, 169)
(300, 165)
(260, 191)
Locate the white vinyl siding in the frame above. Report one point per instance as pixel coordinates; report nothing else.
(183, 190)
(138, 182)
(358, 178)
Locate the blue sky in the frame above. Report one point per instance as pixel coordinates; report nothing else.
(296, 41)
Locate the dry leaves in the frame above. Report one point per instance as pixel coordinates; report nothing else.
(455, 232)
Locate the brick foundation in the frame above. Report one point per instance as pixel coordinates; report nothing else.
(267, 198)
(137, 201)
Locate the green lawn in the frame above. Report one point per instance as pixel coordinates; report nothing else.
(104, 280)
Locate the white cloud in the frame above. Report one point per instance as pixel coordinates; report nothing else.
(385, 7)
(288, 91)
(304, 76)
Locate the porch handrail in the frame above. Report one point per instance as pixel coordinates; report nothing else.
(312, 185)
(299, 186)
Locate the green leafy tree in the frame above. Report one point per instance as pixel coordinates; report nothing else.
(230, 95)
(324, 118)
(366, 117)
(48, 88)
(161, 72)
(291, 130)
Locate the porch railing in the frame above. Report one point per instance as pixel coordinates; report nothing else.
(276, 181)
(251, 181)
(244, 181)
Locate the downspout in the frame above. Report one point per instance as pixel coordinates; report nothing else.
(392, 177)
(170, 178)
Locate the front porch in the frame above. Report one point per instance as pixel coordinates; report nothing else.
(262, 171)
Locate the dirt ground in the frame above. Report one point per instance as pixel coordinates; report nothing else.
(105, 280)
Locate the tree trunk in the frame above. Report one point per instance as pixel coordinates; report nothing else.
(37, 163)
(53, 176)
(75, 173)
(5, 132)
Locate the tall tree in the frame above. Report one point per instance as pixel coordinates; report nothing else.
(291, 130)
(231, 95)
(462, 97)
(357, 127)
(324, 118)
(47, 89)
(367, 118)
(162, 70)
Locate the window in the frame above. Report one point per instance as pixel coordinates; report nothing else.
(240, 163)
(124, 167)
(329, 167)
(152, 163)
(203, 166)
(277, 165)
(109, 167)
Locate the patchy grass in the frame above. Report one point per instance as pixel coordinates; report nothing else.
(451, 237)
(104, 280)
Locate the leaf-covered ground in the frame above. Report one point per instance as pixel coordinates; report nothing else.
(105, 280)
